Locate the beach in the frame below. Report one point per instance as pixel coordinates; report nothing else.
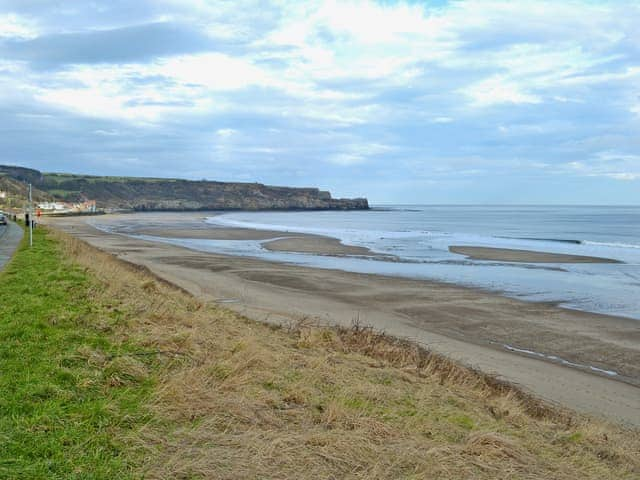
(274, 240)
(585, 361)
(526, 256)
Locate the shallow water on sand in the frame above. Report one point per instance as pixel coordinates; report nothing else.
(421, 235)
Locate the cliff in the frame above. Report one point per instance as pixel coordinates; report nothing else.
(133, 193)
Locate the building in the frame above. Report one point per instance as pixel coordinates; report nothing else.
(60, 208)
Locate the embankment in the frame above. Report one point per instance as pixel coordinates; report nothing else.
(122, 374)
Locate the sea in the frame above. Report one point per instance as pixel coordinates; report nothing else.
(420, 236)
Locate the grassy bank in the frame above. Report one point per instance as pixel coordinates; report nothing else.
(61, 414)
(107, 372)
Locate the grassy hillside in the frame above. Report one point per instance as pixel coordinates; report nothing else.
(115, 374)
(17, 193)
(134, 193)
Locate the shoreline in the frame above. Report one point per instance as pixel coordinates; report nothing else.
(469, 325)
(272, 240)
(297, 242)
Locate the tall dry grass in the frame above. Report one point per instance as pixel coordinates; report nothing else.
(236, 399)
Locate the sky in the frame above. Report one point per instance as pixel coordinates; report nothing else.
(480, 101)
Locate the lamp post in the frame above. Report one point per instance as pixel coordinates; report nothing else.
(30, 219)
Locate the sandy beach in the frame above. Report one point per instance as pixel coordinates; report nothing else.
(321, 246)
(274, 240)
(481, 329)
(526, 256)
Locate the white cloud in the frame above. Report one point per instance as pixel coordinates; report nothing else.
(183, 83)
(16, 26)
(106, 133)
(354, 154)
(612, 155)
(441, 120)
(359, 39)
(623, 176)
(319, 41)
(215, 71)
(346, 159)
(104, 99)
(226, 132)
(497, 90)
(629, 73)
(609, 164)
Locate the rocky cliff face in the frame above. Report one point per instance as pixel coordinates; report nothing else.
(129, 193)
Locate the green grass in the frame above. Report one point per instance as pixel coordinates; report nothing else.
(64, 177)
(62, 412)
(62, 193)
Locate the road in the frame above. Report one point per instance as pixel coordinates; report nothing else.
(10, 236)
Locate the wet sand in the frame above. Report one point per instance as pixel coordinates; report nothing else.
(525, 256)
(466, 324)
(322, 246)
(211, 233)
(274, 240)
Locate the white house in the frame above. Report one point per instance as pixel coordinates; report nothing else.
(63, 207)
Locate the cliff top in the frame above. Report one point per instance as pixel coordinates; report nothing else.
(151, 193)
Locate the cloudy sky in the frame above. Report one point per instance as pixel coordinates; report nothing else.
(480, 101)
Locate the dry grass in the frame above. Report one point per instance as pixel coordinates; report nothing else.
(238, 399)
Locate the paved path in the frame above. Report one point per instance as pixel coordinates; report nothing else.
(10, 236)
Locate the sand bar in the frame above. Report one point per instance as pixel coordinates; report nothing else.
(525, 256)
(208, 233)
(322, 246)
(466, 324)
(274, 240)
